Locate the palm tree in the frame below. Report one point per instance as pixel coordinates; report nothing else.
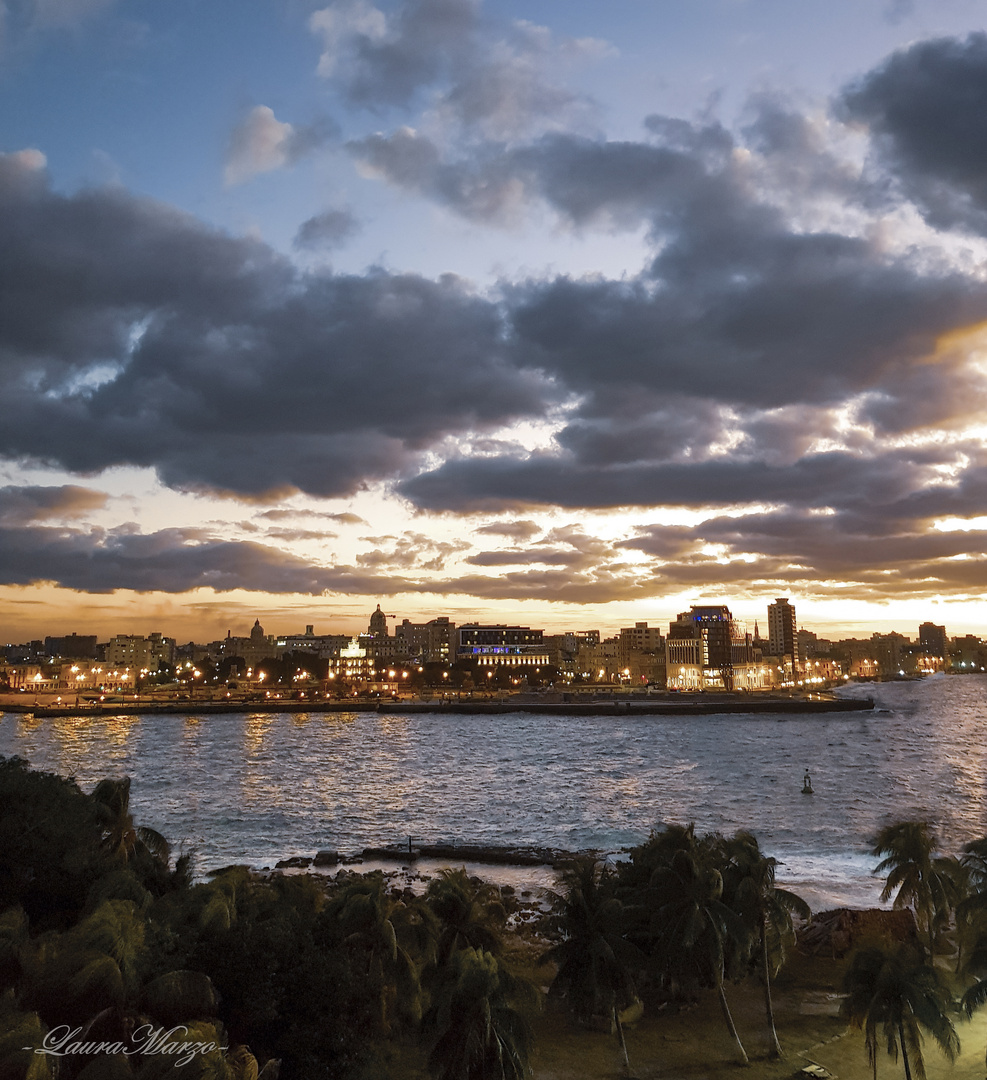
(918, 878)
(476, 1028)
(469, 915)
(975, 996)
(371, 922)
(692, 926)
(895, 996)
(121, 837)
(594, 960)
(971, 911)
(766, 910)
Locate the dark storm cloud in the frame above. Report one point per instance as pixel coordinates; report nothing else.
(131, 334)
(21, 505)
(600, 587)
(568, 546)
(925, 108)
(817, 480)
(171, 560)
(755, 360)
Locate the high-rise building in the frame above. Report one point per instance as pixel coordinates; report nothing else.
(932, 639)
(782, 631)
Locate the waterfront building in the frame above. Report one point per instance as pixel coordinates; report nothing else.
(968, 653)
(140, 653)
(428, 643)
(641, 654)
(570, 653)
(932, 639)
(355, 662)
(783, 638)
(491, 646)
(705, 650)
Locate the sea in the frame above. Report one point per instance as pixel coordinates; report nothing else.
(255, 788)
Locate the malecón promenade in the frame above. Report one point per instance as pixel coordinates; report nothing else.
(552, 704)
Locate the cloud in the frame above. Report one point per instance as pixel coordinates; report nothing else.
(21, 505)
(924, 108)
(261, 143)
(785, 364)
(495, 79)
(412, 550)
(132, 334)
(172, 561)
(330, 229)
(345, 518)
(513, 530)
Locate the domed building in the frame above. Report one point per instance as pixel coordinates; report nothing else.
(378, 624)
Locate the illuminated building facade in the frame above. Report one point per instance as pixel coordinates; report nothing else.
(513, 646)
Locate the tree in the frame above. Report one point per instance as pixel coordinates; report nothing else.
(975, 996)
(381, 930)
(693, 927)
(918, 878)
(971, 910)
(594, 960)
(469, 916)
(50, 839)
(766, 910)
(894, 996)
(476, 1028)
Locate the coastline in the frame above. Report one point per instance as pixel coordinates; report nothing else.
(703, 704)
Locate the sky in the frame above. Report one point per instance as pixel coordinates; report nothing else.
(567, 315)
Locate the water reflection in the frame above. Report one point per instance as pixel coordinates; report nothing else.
(256, 787)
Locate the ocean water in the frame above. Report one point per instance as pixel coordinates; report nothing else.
(255, 788)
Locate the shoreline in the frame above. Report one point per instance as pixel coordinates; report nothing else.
(611, 705)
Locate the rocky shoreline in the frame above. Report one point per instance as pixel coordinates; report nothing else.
(454, 853)
(703, 704)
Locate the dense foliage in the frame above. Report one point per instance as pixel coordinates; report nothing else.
(104, 935)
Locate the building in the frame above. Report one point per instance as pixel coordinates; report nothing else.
(783, 640)
(429, 643)
(140, 653)
(259, 646)
(354, 664)
(512, 646)
(324, 646)
(705, 650)
(932, 639)
(572, 653)
(641, 655)
(72, 647)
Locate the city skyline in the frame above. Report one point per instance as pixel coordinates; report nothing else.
(567, 315)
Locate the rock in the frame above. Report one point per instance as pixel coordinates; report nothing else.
(836, 932)
(296, 862)
(326, 858)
